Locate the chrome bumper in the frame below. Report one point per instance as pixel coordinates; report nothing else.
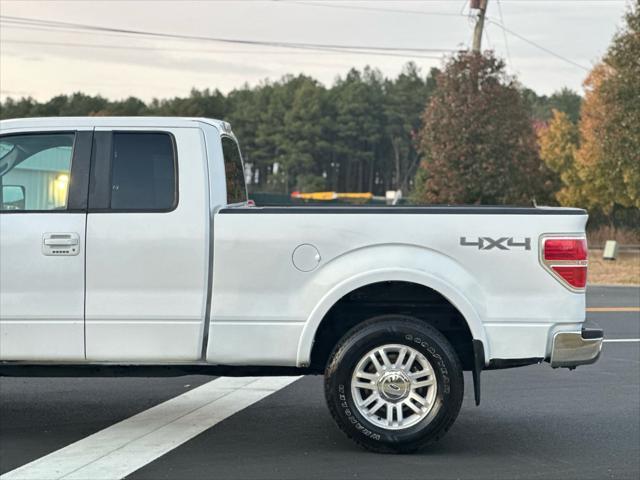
(571, 349)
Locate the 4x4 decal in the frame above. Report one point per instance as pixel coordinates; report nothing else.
(502, 243)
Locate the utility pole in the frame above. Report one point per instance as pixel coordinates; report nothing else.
(480, 5)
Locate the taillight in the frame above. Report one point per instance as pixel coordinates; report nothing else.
(566, 259)
(565, 249)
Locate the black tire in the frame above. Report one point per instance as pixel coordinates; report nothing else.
(394, 329)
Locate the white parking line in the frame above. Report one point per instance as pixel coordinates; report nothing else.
(612, 309)
(621, 340)
(127, 446)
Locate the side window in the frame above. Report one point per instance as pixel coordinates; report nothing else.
(35, 171)
(143, 172)
(236, 188)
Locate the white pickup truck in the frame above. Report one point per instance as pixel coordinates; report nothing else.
(128, 247)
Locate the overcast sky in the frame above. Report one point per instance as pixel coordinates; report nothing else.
(41, 62)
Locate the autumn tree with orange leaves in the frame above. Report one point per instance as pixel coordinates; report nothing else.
(558, 142)
(608, 160)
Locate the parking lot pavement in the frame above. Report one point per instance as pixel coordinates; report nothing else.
(534, 422)
(41, 415)
(622, 324)
(613, 296)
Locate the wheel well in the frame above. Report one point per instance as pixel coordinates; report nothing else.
(383, 298)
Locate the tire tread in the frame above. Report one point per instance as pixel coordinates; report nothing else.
(333, 365)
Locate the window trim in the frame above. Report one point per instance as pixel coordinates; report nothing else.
(246, 190)
(78, 171)
(100, 179)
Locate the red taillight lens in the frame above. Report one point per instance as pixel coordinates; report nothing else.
(565, 249)
(576, 276)
(566, 259)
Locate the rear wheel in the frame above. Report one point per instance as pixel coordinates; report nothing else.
(394, 384)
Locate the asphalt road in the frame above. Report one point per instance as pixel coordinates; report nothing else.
(534, 422)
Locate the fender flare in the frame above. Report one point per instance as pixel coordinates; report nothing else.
(447, 290)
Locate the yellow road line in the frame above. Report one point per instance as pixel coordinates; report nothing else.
(612, 309)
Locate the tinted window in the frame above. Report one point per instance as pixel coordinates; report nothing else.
(236, 189)
(143, 172)
(35, 171)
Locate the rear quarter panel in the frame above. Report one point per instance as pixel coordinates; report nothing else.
(509, 301)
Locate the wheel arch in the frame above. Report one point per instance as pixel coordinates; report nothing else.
(341, 290)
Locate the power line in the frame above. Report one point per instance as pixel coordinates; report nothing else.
(175, 36)
(162, 49)
(486, 35)
(488, 19)
(304, 46)
(537, 45)
(504, 34)
(372, 9)
(198, 50)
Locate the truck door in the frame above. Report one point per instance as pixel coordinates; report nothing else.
(147, 245)
(43, 202)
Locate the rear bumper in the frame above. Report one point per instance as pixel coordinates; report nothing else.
(571, 349)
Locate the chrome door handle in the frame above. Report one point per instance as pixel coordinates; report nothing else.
(61, 242)
(55, 244)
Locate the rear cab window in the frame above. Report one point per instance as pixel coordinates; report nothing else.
(143, 172)
(234, 171)
(134, 171)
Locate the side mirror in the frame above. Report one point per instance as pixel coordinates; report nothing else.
(13, 197)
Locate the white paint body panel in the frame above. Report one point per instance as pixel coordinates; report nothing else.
(509, 301)
(147, 272)
(42, 297)
(149, 276)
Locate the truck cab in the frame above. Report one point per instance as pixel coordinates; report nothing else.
(106, 236)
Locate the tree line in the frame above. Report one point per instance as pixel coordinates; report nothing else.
(359, 135)
(466, 133)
